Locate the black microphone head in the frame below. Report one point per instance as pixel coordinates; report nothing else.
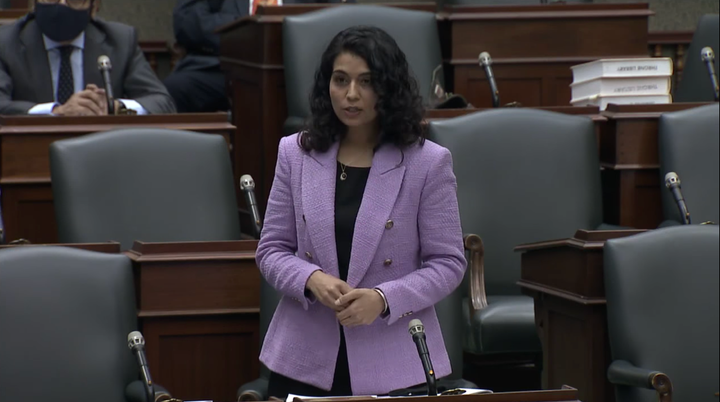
(484, 59)
(104, 63)
(247, 182)
(672, 180)
(415, 327)
(707, 54)
(135, 340)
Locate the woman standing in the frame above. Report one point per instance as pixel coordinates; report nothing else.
(362, 230)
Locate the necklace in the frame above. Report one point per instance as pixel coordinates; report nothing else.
(343, 175)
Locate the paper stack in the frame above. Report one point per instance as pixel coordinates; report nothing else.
(622, 81)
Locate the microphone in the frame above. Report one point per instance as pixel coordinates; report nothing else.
(672, 182)
(247, 185)
(708, 57)
(105, 67)
(485, 62)
(417, 331)
(136, 343)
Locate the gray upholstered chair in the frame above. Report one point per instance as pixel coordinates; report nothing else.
(695, 84)
(306, 36)
(523, 176)
(662, 311)
(144, 184)
(66, 314)
(689, 146)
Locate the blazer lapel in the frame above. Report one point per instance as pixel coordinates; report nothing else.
(318, 200)
(36, 60)
(95, 47)
(383, 186)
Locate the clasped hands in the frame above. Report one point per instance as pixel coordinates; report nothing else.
(353, 307)
(92, 101)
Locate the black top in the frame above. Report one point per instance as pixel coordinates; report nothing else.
(348, 197)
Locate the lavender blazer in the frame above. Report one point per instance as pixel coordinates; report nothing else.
(407, 242)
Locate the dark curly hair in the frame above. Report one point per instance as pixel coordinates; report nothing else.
(399, 106)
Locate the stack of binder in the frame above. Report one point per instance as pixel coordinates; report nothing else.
(622, 81)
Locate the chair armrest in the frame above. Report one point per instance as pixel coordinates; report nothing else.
(622, 372)
(256, 390)
(476, 265)
(135, 392)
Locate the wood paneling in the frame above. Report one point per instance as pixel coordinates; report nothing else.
(199, 304)
(629, 158)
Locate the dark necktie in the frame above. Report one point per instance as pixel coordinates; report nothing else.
(66, 85)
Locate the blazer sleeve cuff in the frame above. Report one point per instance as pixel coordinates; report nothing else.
(397, 307)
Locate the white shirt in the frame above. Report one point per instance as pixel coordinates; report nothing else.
(76, 62)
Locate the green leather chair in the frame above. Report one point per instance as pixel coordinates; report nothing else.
(66, 314)
(662, 290)
(689, 146)
(306, 36)
(144, 184)
(523, 176)
(695, 84)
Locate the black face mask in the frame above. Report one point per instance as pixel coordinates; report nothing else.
(61, 23)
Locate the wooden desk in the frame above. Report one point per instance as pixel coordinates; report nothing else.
(198, 305)
(629, 158)
(27, 201)
(534, 46)
(565, 277)
(566, 394)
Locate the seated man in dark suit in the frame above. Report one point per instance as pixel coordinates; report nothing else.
(48, 64)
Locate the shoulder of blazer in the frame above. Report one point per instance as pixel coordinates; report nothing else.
(427, 154)
(117, 34)
(10, 33)
(290, 147)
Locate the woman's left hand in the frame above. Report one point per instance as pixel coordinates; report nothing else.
(363, 307)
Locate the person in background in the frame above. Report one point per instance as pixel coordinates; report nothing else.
(197, 84)
(48, 64)
(362, 230)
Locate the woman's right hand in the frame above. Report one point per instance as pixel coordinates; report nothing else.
(327, 289)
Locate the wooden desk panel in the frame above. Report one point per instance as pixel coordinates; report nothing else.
(198, 305)
(630, 162)
(27, 206)
(533, 47)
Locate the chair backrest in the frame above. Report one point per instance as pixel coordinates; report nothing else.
(695, 84)
(662, 308)
(65, 315)
(523, 176)
(144, 184)
(689, 146)
(306, 36)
